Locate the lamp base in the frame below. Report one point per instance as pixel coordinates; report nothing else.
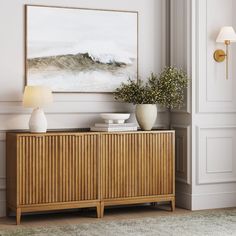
(38, 122)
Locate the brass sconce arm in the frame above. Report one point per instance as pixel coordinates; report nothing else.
(220, 55)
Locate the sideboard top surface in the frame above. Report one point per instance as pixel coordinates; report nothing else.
(80, 132)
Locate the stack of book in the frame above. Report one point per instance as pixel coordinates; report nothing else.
(114, 127)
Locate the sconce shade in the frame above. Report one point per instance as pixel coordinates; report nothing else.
(227, 33)
(37, 96)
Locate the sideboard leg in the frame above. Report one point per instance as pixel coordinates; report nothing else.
(98, 211)
(172, 204)
(102, 209)
(18, 216)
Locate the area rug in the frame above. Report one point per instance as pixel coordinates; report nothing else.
(209, 223)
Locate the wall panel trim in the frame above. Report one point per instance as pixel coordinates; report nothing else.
(205, 104)
(200, 180)
(186, 180)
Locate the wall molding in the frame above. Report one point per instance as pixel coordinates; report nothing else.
(183, 200)
(2, 136)
(184, 176)
(215, 171)
(7, 108)
(203, 175)
(2, 178)
(2, 208)
(86, 107)
(205, 201)
(204, 84)
(176, 59)
(213, 200)
(2, 183)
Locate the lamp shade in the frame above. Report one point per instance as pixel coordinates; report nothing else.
(37, 96)
(227, 33)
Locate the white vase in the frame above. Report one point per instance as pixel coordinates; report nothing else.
(146, 115)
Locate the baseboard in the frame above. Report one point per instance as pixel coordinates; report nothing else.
(213, 200)
(183, 200)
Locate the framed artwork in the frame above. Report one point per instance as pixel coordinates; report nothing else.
(80, 50)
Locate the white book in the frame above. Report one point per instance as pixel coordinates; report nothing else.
(110, 129)
(105, 125)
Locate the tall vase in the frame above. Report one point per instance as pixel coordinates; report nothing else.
(146, 115)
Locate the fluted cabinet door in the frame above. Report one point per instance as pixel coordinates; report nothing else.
(137, 164)
(57, 168)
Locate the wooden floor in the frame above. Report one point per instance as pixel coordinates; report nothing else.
(89, 216)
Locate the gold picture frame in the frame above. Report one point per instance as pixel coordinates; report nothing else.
(40, 64)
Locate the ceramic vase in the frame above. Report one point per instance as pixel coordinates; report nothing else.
(146, 115)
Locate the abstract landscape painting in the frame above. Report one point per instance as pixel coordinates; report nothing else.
(80, 50)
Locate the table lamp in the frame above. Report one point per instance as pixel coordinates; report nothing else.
(37, 97)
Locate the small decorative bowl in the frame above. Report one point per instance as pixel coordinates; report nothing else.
(115, 118)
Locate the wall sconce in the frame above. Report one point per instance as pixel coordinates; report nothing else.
(226, 36)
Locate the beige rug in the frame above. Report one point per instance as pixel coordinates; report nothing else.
(209, 223)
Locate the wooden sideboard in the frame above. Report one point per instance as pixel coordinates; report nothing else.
(66, 170)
